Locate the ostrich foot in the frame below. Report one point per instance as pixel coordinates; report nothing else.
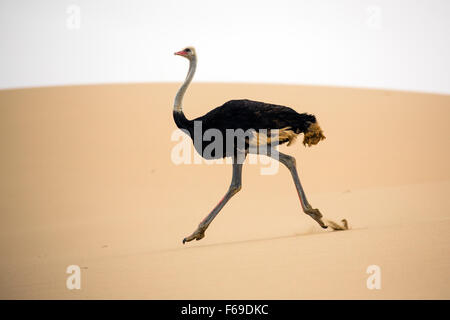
(197, 235)
(338, 227)
(316, 215)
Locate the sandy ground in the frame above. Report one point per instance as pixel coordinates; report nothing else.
(87, 179)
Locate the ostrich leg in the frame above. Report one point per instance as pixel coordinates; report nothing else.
(234, 188)
(290, 163)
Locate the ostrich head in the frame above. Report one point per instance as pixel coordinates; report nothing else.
(188, 53)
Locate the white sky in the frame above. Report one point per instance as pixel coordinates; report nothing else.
(377, 44)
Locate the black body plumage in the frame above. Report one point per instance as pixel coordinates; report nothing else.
(246, 115)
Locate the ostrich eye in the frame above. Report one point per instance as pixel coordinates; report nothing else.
(187, 50)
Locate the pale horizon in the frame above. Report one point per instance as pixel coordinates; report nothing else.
(393, 45)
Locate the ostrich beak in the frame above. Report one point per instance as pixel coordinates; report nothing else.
(180, 53)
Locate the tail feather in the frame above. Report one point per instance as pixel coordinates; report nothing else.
(313, 135)
(307, 124)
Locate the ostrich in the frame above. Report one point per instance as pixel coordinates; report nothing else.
(248, 115)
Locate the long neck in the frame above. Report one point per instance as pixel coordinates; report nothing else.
(177, 106)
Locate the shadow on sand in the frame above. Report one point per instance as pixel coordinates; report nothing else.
(237, 242)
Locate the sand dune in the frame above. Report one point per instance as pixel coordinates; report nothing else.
(87, 179)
